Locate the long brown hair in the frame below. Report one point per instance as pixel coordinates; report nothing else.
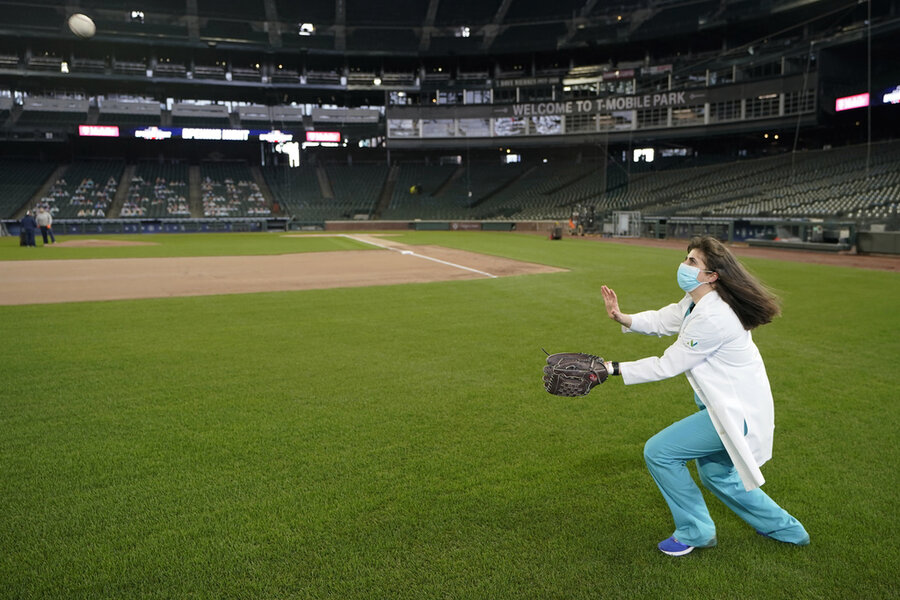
(753, 303)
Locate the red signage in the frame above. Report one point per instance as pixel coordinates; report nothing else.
(848, 102)
(323, 136)
(98, 130)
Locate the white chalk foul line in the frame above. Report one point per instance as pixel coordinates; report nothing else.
(417, 255)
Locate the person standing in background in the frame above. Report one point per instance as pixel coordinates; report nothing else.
(29, 226)
(44, 222)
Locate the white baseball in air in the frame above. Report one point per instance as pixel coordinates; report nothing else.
(82, 25)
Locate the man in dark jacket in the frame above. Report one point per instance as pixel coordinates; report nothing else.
(29, 226)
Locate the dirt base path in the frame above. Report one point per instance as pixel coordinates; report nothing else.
(51, 281)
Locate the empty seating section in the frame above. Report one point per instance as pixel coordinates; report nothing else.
(348, 190)
(462, 189)
(298, 192)
(549, 190)
(822, 183)
(493, 191)
(357, 187)
(228, 190)
(407, 203)
(472, 185)
(84, 190)
(854, 182)
(658, 190)
(157, 191)
(819, 184)
(19, 181)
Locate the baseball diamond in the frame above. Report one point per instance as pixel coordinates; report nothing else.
(428, 299)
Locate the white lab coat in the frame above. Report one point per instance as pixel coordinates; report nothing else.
(725, 369)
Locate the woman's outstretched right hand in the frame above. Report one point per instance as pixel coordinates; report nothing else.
(612, 306)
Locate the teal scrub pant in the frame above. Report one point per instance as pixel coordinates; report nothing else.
(695, 437)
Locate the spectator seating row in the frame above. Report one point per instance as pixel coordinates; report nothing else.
(84, 190)
(228, 190)
(157, 190)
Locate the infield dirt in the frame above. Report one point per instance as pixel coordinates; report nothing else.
(53, 281)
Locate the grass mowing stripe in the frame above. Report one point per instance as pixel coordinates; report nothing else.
(168, 245)
(395, 441)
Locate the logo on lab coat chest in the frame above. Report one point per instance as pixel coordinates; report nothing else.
(690, 343)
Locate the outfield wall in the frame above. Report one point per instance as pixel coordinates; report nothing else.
(804, 234)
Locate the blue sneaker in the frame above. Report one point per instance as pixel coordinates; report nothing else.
(673, 547)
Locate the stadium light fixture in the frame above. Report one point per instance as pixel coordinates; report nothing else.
(377, 81)
(306, 29)
(137, 16)
(63, 67)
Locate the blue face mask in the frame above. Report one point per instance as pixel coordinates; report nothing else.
(687, 277)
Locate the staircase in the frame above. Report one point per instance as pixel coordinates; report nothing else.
(324, 183)
(195, 195)
(266, 191)
(387, 192)
(115, 209)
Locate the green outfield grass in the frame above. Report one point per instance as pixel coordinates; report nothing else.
(165, 245)
(395, 441)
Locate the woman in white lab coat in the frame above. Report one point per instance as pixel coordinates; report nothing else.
(731, 435)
